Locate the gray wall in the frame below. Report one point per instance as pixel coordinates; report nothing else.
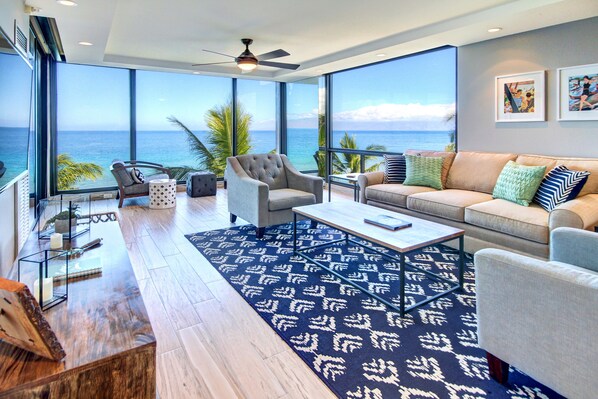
(549, 48)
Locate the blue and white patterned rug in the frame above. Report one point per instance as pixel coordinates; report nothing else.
(358, 347)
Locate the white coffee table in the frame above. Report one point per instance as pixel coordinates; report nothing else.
(348, 218)
(162, 193)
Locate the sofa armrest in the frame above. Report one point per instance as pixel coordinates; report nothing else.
(539, 316)
(574, 246)
(303, 182)
(368, 179)
(247, 197)
(581, 213)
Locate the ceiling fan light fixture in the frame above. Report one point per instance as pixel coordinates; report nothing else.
(68, 3)
(247, 65)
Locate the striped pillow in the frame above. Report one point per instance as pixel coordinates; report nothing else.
(395, 168)
(559, 186)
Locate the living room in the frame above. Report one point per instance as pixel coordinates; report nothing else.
(203, 293)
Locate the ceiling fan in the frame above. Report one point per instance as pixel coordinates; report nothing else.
(247, 62)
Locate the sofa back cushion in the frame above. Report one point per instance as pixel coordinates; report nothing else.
(477, 171)
(121, 174)
(581, 164)
(267, 168)
(447, 160)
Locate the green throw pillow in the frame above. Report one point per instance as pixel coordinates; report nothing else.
(518, 183)
(423, 171)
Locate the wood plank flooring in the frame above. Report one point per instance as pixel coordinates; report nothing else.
(211, 343)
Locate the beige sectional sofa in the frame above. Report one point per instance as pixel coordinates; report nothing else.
(467, 203)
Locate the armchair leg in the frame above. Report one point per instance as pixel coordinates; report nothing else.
(259, 232)
(313, 224)
(233, 218)
(499, 370)
(120, 201)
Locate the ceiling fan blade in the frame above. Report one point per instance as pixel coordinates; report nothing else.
(279, 65)
(216, 52)
(214, 63)
(272, 54)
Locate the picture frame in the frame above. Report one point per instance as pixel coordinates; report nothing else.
(577, 97)
(520, 97)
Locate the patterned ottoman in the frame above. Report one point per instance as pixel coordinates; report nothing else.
(201, 184)
(162, 193)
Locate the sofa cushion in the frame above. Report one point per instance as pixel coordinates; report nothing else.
(267, 168)
(122, 174)
(423, 171)
(393, 194)
(447, 204)
(518, 183)
(477, 171)
(530, 223)
(286, 198)
(447, 160)
(581, 164)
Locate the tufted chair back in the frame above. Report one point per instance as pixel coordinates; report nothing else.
(267, 168)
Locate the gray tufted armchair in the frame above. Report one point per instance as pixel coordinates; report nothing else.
(263, 188)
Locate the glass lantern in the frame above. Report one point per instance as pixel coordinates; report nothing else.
(46, 275)
(66, 214)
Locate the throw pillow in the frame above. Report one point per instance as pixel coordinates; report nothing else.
(518, 183)
(137, 176)
(447, 156)
(395, 168)
(423, 171)
(559, 186)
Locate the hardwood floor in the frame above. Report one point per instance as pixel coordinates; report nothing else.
(211, 343)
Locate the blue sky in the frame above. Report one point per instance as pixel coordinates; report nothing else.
(413, 93)
(15, 91)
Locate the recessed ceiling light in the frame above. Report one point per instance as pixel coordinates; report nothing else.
(196, 73)
(494, 30)
(69, 3)
(380, 55)
(85, 44)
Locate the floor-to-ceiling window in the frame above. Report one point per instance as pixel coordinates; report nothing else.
(92, 125)
(406, 103)
(256, 116)
(304, 120)
(182, 121)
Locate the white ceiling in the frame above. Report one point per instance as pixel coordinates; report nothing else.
(321, 35)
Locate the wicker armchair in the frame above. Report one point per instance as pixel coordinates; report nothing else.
(127, 187)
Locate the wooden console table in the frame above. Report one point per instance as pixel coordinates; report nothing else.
(103, 327)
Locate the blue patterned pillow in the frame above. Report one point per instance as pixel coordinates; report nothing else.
(560, 185)
(137, 176)
(395, 168)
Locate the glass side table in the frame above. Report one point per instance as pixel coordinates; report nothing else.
(344, 180)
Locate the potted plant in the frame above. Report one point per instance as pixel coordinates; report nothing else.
(65, 220)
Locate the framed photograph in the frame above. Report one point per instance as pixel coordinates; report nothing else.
(521, 97)
(577, 92)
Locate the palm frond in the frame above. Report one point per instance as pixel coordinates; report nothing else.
(219, 143)
(202, 153)
(71, 172)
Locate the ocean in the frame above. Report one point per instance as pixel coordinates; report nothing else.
(170, 148)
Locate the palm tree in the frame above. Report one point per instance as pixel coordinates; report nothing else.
(320, 156)
(70, 172)
(219, 143)
(451, 145)
(351, 163)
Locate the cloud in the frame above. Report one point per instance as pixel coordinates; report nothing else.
(397, 113)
